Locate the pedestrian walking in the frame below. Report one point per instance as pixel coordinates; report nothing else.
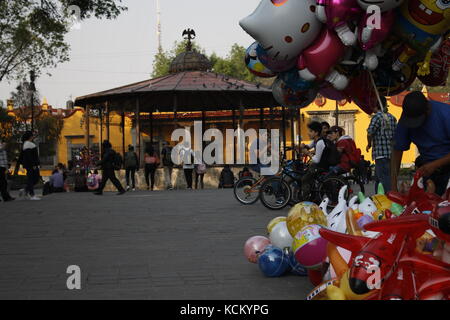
(166, 155)
(109, 163)
(3, 172)
(29, 159)
(152, 161)
(131, 162)
(380, 135)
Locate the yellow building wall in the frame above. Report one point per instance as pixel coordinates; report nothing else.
(74, 125)
(362, 121)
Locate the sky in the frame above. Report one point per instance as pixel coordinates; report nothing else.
(110, 53)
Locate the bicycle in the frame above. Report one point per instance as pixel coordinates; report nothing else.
(278, 192)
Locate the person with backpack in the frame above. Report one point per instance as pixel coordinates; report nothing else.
(187, 158)
(350, 154)
(110, 162)
(29, 159)
(166, 154)
(245, 173)
(380, 135)
(200, 170)
(151, 160)
(131, 162)
(325, 155)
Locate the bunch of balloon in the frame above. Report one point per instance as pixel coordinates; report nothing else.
(347, 49)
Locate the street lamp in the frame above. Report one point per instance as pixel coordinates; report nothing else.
(32, 91)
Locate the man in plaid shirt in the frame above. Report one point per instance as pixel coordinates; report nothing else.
(3, 170)
(380, 135)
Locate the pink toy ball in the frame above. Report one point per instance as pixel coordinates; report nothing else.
(254, 247)
(309, 248)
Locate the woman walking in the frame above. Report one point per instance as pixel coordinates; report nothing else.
(151, 160)
(29, 159)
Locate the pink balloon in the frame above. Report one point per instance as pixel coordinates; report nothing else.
(320, 57)
(339, 12)
(330, 92)
(378, 35)
(254, 246)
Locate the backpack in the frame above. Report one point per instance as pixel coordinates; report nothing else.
(131, 160)
(355, 158)
(330, 155)
(200, 168)
(167, 156)
(118, 161)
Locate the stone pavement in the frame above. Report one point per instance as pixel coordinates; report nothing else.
(143, 245)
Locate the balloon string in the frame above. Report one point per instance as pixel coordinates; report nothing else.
(385, 117)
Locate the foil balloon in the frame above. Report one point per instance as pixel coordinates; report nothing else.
(331, 93)
(255, 246)
(283, 28)
(296, 267)
(439, 66)
(287, 97)
(275, 66)
(273, 262)
(362, 93)
(254, 65)
(292, 80)
(421, 25)
(336, 14)
(317, 61)
(369, 37)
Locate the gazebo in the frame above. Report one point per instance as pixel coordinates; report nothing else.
(189, 87)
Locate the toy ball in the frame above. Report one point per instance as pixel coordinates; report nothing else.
(304, 214)
(296, 267)
(273, 262)
(255, 246)
(255, 65)
(274, 222)
(280, 236)
(309, 248)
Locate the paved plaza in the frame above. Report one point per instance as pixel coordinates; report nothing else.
(177, 244)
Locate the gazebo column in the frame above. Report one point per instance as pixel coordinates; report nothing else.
(87, 127)
(175, 106)
(203, 128)
(241, 126)
(138, 129)
(107, 122)
(100, 144)
(299, 124)
(123, 130)
(283, 128)
(151, 126)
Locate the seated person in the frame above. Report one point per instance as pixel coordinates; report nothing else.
(226, 179)
(245, 173)
(318, 162)
(346, 147)
(79, 179)
(93, 180)
(57, 181)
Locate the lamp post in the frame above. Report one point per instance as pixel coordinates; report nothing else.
(32, 90)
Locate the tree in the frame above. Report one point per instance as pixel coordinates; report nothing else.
(32, 32)
(21, 97)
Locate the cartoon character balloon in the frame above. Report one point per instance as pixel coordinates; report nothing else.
(288, 97)
(336, 14)
(283, 28)
(255, 65)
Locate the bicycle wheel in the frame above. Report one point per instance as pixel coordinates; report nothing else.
(275, 193)
(246, 190)
(330, 187)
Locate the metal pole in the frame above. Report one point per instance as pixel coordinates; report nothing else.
(337, 113)
(291, 111)
(151, 126)
(101, 131)
(107, 122)
(283, 128)
(88, 133)
(233, 120)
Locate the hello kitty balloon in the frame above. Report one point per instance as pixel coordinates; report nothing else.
(283, 27)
